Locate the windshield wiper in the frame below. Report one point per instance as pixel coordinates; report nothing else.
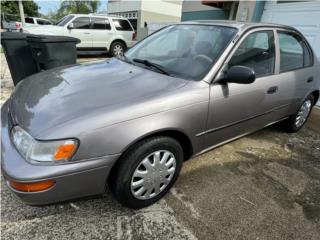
(151, 64)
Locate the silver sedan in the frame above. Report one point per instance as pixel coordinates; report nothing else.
(129, 123)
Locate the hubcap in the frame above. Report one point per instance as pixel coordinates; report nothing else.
(153, 174)
(303, 113)
(118, 50)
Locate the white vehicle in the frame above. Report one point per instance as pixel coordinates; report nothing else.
(35, 21)
(98, 33)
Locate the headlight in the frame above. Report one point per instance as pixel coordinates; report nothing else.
(43, 151)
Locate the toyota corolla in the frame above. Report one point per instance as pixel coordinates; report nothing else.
(130, 122)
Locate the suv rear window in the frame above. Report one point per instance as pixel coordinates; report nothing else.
(43, 22)
(100, 24)
(29, 20)
(122, 25)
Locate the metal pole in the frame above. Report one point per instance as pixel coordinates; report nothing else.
(21, 13)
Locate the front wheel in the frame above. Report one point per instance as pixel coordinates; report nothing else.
(147, 172)
(296, 121)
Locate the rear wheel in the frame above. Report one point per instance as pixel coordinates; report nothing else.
(117, 49)
(147, 172)
(296, 121)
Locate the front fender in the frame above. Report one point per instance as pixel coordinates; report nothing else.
(115, 139)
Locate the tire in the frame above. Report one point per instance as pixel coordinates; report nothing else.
(121, 180)
(117, 49)
(290, 124)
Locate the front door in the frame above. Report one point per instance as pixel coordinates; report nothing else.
(81, 29)
(237, 109)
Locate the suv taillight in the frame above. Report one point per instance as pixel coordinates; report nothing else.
(134, 36)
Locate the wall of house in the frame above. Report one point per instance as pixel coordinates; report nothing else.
(195, 10)
(148, 12)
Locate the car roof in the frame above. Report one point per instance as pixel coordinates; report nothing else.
(97, 15)
(237, 24)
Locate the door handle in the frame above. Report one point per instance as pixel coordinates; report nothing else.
(310, 79)
(86, 33)
(272, 90)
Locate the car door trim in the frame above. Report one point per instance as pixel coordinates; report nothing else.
(241, 121)
(236, 137)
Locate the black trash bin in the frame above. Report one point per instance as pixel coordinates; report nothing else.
(18, 55)
(53, 51)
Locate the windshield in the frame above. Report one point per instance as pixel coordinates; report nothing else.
(185, 51)
(63, 21)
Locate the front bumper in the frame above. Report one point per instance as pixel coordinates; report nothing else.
(72, 180)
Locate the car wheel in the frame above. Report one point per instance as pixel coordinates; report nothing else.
(117, 49)
(296, 121)
(146, 172)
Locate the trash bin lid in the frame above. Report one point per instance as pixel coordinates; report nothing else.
(14, 36)
(51, 39)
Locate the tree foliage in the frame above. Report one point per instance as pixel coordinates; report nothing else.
(74, 6)
(11, 7)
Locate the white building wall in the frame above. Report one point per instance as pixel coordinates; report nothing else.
(163, 7)
(123, 6)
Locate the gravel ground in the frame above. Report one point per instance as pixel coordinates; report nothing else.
(263, 186)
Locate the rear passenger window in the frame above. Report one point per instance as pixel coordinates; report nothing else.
(122, 25)
(81, 23)
(100, 24)
(257, 52)
(291, 51)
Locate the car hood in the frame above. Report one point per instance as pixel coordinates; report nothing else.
(98, 94)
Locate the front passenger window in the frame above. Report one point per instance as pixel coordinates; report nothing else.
(257, 52)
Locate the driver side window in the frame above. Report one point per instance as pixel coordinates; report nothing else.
(257, 52)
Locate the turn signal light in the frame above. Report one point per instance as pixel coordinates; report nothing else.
(65, 151)
(33, 186)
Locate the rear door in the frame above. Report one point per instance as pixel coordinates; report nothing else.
(101, 32)
(295, 76)
(81, 29)
(236, 109)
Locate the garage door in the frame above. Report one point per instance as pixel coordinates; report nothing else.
(305, 16)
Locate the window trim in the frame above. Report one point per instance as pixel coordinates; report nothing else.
(242, 39)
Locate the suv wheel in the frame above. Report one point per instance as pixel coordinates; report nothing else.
(296, 121)
(147, 172)
(117, 49)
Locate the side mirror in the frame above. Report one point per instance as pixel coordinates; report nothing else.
(240, 74)
(70, 26)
